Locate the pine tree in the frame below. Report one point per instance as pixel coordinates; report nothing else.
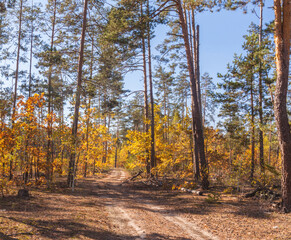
(241, 97)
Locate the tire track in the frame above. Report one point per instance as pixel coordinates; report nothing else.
(143, 219)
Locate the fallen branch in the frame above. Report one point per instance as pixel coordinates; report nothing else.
(253, 193)
(136, 175)
(264, 192)
(153, 182)
(133, 177)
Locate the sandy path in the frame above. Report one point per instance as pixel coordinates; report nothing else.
(134, 216)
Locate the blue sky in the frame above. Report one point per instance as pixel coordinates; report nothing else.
(221, 36)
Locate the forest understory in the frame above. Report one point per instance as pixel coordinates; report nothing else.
(111, 206)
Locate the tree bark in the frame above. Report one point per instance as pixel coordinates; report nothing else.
(194, 57)
(117, 144)
(197, 68)
(49, 123)
(252, 133)
(196, 115)
(87, 137)
(195, 156)
(78, 100)
(31, 51)
(153, 157)
(261, 134)
(88, 108)
(146, 104)
(282, 47)
(17, 60)
(16, 80)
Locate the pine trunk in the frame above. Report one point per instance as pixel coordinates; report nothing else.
(117, 144)
(31, 52)
(197, 68)
(16, 81)
(282, 47)
(87, 137)
(49, 123)
(17, 60)
(146, 104)
(194, 57)
(252, 134)
(78, 100)
(261, 134)
(196, 115)
(153, 158)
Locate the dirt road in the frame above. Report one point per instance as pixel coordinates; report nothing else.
(104, 208)
(141, 215)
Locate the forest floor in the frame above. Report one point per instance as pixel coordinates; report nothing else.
(106, 208)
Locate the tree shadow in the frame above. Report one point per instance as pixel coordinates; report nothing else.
(6, 237)
(67, 229)
(173, 201)
(251, 213)
(18, 204)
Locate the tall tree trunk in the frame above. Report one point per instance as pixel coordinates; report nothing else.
(194, 57)
(87, 137)
(270, 133)
(197, 78)
(117, 144)
(106, 142)
(31, 50)
(27, 176)
(16, 79)
(270, 146)
(78, 100)
(153, 157)
(261, 134)
(282, 46)
(165, 103)
(196, 115)
(88, 108)
(146, 105)
(17, 60)
(190, 26)
(195, 154)
(49, 122)
(252, 133)
(197, 68)
(204, 104)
